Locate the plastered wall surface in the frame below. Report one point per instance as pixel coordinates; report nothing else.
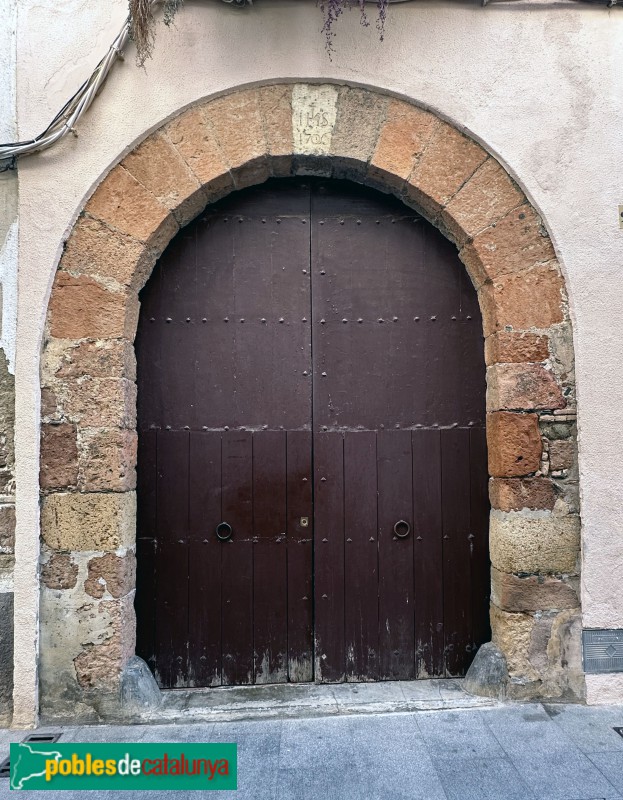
(525, 83)
(8, 122)
(8, 319)
(8, 181)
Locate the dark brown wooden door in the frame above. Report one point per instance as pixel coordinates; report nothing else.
(311, 379)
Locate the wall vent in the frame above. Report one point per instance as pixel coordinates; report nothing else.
(603, 650)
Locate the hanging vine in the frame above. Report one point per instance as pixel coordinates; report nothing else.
(142, 24)
(332, 10)
(142, 20)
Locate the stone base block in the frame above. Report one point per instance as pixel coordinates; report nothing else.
(487, 675)
(139, 690)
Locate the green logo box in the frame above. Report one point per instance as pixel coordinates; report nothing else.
(124, 766)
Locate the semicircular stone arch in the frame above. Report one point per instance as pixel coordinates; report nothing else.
(88, 448)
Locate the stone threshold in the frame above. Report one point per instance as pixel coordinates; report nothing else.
(226, 704)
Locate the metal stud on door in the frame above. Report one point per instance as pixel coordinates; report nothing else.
(224, 374)
(399, 386)
(311, 375)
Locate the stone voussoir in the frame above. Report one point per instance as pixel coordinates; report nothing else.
(275, 104)
(103, 358)
(107, 460)
(533, 298)
(191, 135)
(112, 574)
(59, 456)
(128, 207)
(515, 494)
(360, 116)
(514, 243)
(516, 347)
(447, 162)
(95, 250)
(521, 593)
(526, 387)
(94, 521)
(59, 572)
(534, 541)
(101, 402)
(403, 138)
(160, 168)
(514, 444)
(81, 308)
(246, 151)
(484, 199)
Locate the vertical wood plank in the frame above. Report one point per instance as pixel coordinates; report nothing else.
(171, 559)
(204, 563)
(145, 546)
(396, 611)
(456, 548)
(479, 544)
(300, 555)
(237, 558)
(329, 556)
(270, 589)
(146, 472)
(361, 611)
(272, 281)
(145, 602)
(428, 553)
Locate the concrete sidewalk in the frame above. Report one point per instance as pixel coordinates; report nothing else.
(501, 752)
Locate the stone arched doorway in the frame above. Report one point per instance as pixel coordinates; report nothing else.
(89, 393)
(312, 465)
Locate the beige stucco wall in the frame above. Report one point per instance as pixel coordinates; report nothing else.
(525, 83)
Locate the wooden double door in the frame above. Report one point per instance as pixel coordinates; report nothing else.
(312, 474)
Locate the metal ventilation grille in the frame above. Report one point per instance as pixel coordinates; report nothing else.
(33, 738)
(42, 738)
(603, 650)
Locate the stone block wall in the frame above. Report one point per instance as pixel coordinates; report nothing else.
(7, 538)
(88, 444)
(535, 518)
(535, 544)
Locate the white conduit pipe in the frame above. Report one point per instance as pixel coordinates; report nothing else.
(65, 121)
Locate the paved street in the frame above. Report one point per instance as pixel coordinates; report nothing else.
(495, 753)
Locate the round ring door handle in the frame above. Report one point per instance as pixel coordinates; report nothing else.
(224, 531)
(402, 529)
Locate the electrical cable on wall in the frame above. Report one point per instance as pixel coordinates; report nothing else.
(66, 119)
